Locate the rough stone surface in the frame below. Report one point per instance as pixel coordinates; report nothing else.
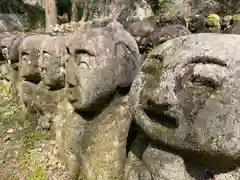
(50, 62)
(36, 96)
(185, 99)
(96, 119)
(29, 52)
(10, 50)
(197, 24)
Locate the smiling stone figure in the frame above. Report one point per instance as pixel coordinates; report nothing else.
(33, 93)
(102, 65)
(10, 50)
(50, 62)
(53, 76)
(186, 101)
(29, 53)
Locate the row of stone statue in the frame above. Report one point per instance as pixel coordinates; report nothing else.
(174, 116)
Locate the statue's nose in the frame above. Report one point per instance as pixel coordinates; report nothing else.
(164, 92)
(71, 71)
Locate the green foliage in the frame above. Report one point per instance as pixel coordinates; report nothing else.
(29, 139)
(38, 174)
(163, 4)
(5, 93)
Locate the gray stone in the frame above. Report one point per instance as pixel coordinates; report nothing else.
(29, 52)
(50, 62)
(101, 66)
(186, 101)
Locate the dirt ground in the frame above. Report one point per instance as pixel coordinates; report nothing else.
(25, 154)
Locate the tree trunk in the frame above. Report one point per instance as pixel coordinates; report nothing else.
(85, 11)
(74, 16)
(50, 14)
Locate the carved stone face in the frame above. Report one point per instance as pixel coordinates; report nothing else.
(187, 96)
(10, 47)
(197, 24)
(5, 43)
(29, 51)
(2, 37)
(51, 70)
(100, 62)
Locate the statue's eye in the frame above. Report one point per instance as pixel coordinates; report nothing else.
(46, 56)
(83, 59)
(203, 81)
(83, 56)
(24, 56)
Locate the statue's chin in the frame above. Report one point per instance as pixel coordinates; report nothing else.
(45, 81)
(76, 105)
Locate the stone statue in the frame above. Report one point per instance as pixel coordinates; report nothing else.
(53, 76)
(50, 62)
(185, 101)
(197, 24)
(9, 48)
(4, 67)
(101, 66)
(29, 53)
(33, 94)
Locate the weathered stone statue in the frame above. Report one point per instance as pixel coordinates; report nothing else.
(53, 76)
(29, 53)
(161, 35)
(197, 24)
(32, 92)
(213, 23)
(186, 102)
(234, 27)
(9, 47)
(50, 62)
(101, 67)
(4, 67)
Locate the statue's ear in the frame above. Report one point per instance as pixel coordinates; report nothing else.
(65, 56)
(114, 26)
(127, 64)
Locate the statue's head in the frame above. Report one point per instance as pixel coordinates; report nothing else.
(101, 60)
(29, 52)
(213, 20)
(197, 24)
(187, 96)
(2, 56)
(5, 43)
(53, 52)
(226, 21)
(10, 46)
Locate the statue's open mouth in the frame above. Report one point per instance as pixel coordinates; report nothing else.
(159, 114)
(43, 71)
(70, 95)
(161, 118)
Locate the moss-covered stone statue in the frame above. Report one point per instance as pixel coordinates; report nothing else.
(4, 67)
(53, 76)
(213, 23)
(161, 35)
(32, 91)
(185, 101)
(50, 62)
(234, 27)
(197, 24)
(10, 50)
(102, 65)
(226, 22)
